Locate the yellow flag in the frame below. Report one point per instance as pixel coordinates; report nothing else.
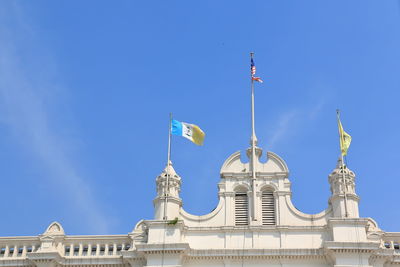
(345, 139)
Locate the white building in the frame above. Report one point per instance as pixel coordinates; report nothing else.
(247, 228)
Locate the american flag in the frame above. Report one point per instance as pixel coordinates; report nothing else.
(253, 68)
(257, 79)
(253, 72)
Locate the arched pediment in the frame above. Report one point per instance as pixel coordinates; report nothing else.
(234, 165)
(275, 163)
(268, 187)
(241, 187)
(54, 228)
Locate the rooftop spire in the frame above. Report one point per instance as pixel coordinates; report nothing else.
(169, 170)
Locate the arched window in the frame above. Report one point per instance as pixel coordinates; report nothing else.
(268, 207)
(241, 208)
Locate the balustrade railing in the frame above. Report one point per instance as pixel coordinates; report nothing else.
(96, 248)
(87, 246)
(15, 248)
(391, 241)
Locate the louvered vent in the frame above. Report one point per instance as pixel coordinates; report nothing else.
(268, 208)
(241, 209)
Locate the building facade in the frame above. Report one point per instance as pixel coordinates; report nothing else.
(254, 224)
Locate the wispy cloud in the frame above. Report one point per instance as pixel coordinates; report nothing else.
(282, 128)
(289, 122)
(25, 112)
(316, 109)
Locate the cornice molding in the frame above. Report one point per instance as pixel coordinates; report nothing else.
(16, 262)
(255, 253)
(168, 248)
(255, 228)
(351, 247)
(353, 221)
(170, 199)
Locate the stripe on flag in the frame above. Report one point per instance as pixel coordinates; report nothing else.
(253, 68)
(253, 72)
(257, 79)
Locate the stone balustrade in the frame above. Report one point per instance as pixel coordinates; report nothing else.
(69, 246)
(391, 241)
(96, 246)
(18, 247)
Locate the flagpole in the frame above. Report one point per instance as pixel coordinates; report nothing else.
(343, 171)
(166, 189)
(253, 144)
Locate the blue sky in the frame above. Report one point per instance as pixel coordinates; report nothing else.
(86, 88)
